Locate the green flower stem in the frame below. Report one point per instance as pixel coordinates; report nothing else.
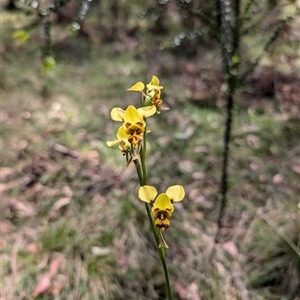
(143, 182)
(154, 230)
(143, 157)
(142, 174)
(139, 171)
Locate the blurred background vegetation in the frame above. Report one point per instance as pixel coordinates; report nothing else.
(71, 224)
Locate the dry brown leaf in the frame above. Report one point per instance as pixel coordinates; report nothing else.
(296, 169)
(5, 172)
(65, 151)
(231, 248)
(98, 251)
(201, 149)
(60, 203)
(193, 292)
(67, 191)
(3, 244)
(180, 290)
(277, 178)
(54, 267)
(58, 284)
(12, 184)
(26, 115)
(42, 286)
(31, 248)
(45, 282)
(198, 175)
(97, 198)
(6, 226)
(199, 215)
(22, 209)
(221, 269)
(55, 210)
(30, 192)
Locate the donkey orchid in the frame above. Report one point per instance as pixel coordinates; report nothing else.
(152, 96)
(162, 205)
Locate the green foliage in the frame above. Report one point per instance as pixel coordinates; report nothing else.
(277, 265)
(56, 239)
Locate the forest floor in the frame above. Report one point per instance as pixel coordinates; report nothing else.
(69, 204)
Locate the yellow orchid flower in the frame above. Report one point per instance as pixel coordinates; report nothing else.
(134, 125)
(162, 205)
(122, 140)
(127, 148)
(130, 134)
(139, 86)
(154, 84)
(152, 96)
(133, 121)
(117, 113)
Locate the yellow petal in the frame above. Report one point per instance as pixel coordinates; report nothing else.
(154, 80)
(122, 139)
(175, 192)
(163, 203)
(111, 143)
(132, 116)
(151, 87)
(138, 87)
(117, 114)
(121, 134)
(147, 111)
(147, 193)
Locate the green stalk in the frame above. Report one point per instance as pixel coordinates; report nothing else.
(143, 158)
(142, 183)
(142, 174)
(139, 171)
